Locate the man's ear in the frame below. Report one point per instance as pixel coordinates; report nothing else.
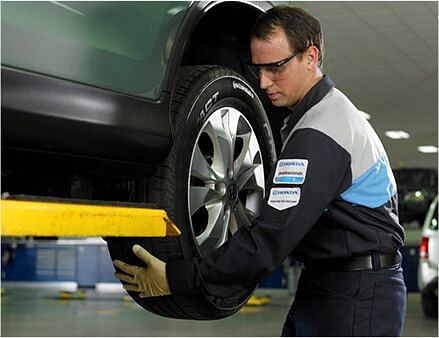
(312, 57)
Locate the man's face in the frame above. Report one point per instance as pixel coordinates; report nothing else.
(289, 88)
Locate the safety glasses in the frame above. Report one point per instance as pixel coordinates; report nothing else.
(273, 71)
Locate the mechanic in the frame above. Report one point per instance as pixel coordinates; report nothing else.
(331, 202)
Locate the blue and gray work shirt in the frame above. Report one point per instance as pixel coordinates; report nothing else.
(331, 194)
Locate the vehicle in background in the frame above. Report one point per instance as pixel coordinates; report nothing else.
(417, 187)
(428, 262)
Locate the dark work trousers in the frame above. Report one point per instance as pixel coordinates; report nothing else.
(359, 303)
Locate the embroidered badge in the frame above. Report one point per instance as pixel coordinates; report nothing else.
(290, 171)
(284, 198)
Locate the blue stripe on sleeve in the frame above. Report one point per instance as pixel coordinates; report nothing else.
(290, 179)
(374, 188)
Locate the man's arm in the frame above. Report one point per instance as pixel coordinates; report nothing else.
(291, 208)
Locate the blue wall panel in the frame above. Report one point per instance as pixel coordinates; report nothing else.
(51, 262)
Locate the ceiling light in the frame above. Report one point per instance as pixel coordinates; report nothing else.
(427, 149)
(396, 134)
(365, 115)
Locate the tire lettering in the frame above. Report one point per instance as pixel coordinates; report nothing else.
(207, 106)
(237, 85)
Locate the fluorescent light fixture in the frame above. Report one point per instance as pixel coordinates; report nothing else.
(397, 134)
(427, 149)
(366, 115)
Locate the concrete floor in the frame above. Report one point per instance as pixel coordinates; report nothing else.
(40, 312)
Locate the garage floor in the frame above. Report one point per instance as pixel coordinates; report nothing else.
(40, 312)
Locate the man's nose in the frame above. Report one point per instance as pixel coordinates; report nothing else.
(264, 81)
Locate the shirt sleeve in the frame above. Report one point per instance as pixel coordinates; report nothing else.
(311, 171)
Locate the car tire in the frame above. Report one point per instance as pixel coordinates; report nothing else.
(203, 97)
(429, 304)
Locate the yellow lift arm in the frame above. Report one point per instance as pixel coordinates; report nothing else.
(62, 219)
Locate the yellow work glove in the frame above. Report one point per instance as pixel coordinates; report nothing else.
(150, 280)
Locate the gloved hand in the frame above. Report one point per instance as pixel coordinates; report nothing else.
(150, 281)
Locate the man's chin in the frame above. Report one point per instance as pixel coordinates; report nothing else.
(277, 103)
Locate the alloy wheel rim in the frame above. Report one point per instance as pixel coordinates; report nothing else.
(226, 178)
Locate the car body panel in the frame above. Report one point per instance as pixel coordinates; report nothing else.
(121, 46)
(94, 80)
(59, 116)
(428, 267)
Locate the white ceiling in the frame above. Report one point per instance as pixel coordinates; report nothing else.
(384, 57)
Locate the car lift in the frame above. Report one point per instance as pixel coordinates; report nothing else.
(23, 215)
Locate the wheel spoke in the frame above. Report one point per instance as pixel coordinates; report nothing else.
(224, 228)
(230, 125)
(241, 215)
(252, 185)
(254, 201)
(244, 152)
(245, 176)
(233, 226)
(200, 167)
(221, 147)
(200, 196)
(225, 147)
(212, 234)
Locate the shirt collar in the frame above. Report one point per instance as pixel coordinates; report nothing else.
(314, 95)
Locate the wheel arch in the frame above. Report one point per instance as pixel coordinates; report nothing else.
(222, 37)
(214, 33)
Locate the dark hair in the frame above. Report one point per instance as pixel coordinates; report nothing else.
(303, 30)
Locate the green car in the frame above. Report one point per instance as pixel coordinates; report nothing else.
(145, 102)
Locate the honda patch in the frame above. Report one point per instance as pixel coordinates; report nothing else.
(284, 198)
(290, 171)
